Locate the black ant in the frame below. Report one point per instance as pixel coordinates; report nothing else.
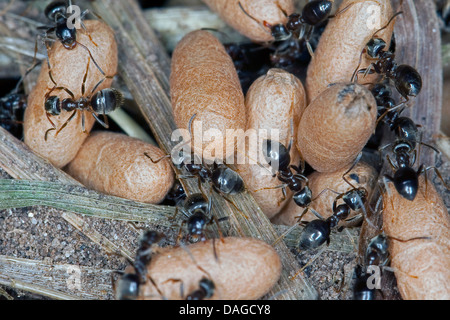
(407, 79)
(129, 283)
(318, 231)
(222, 178)
(63, 32)
(198, 213)
(406, 179)
(176, 194)
(377, 254)
(11, 110)
(103, 102)
(301, 25)
(278, 156)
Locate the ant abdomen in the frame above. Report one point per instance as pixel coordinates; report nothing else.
(406, 182)
(407, 80)
(227, 181)
(276, 153)
(316, 12)
(106, 101)
(196, 202)
(315, 233)
(54, 9)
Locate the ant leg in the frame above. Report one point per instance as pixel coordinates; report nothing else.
(299, 218)
(95, 115)
(308, 263)
(83, 125)
(271, 188)
(308, 44)
(351, 168)
(65, 123)
(284, 234)
(387, 178)
(323, 191)
(438, 173)
(157, 160)
(82, 15)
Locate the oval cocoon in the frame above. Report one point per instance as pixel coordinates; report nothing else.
(115, 164)
(272, 102)
(68, 69)
(270, 11)
(336, 126)
(362, 175)
(204, 82)
(246, 269)
(345, 36)
(421, 266)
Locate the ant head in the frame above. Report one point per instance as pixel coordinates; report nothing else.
(403, 146)
(53, 106)
(67, 36)
(280, 32)
(276, 154)
(128, 287)
(196, 224)
(375, 46)
(55, 10)
(407, 80)
(208, 286)
(381, 90)
(106, 101)
(150, 237)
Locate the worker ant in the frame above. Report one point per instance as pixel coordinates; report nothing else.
(376, 254)
(406, 79)
(279, 158)
(11, 110)
(102, 102)
(299, 25)
(63, 31)
(222, 178)
(406, 179)
(129, 283)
